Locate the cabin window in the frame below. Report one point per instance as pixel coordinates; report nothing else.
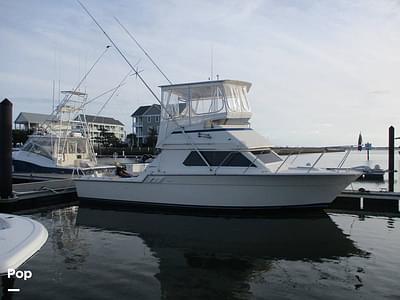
(39, 150)
(149, 119)
(237, 159)
(71, 147)
(218, 158)
(27, 147)
(267, 156)
(194, 159)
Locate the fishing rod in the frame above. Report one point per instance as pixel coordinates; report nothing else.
(104, 93)
(120, 52)
(122, 83)
(136, 72)
(113, 93)
(141, 48)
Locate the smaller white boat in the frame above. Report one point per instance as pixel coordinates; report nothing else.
(20, 239)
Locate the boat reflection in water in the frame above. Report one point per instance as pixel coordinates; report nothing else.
(204, 256)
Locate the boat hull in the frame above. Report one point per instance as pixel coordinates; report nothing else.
(20, 238)
(219, 191)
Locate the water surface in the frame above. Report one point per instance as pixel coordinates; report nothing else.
(108, 254)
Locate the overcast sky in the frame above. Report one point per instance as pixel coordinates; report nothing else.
(322, 71)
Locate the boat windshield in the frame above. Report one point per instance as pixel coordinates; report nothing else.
(189, 101)
(40, 145)
(46, 146)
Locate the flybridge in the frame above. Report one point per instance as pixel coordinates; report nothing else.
(190, 100)
(200, 105)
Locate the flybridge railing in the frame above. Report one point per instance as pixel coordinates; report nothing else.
(312, 166)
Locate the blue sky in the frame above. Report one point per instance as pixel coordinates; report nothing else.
(322, 71)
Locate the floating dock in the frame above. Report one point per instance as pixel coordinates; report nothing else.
(41, 193)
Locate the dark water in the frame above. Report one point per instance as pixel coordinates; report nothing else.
(106, 254)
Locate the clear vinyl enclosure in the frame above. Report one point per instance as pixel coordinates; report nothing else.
(205, 98)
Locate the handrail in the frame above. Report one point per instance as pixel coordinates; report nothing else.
(346, 155)
(284, 161)
(252, 163)
(316, 161)
(223, 161)
(77, 169)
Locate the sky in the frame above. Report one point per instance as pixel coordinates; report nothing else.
(321, 71)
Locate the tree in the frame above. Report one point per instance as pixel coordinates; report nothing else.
(132, 140)
(20, 136)
(106, 138)
(152, 137)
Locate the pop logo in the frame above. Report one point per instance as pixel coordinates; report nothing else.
(25, 275)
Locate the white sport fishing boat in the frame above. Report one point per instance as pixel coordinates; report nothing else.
(211, 158)
(62, 144)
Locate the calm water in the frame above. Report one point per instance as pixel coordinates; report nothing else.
(106, 254)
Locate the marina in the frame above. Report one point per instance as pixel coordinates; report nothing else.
(227, 150)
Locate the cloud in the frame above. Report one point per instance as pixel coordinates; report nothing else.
(312, 63)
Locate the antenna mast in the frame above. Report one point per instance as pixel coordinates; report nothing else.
(212, 63)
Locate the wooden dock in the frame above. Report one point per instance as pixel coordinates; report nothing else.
(367, 201)
(41, 193)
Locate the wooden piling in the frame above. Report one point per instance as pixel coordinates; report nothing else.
(5, 149)
(391, 159)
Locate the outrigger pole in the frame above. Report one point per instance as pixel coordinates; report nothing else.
(141, 48)
(136, 72)
(120, 52)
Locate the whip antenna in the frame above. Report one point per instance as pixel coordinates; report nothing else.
(141, 48)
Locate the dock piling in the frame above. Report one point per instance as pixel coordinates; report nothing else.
(391, 159)
(5, 149)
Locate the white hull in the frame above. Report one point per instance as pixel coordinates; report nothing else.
(20, 238)
(220, 191)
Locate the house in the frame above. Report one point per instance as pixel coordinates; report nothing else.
(144, 119)
(32, 121)
(97, 124)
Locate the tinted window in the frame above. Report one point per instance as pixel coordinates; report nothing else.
(267, 156)
(194, 159)
(215, 158)
(218, 158)
(236, 159)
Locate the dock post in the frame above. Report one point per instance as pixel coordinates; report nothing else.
(5, 149)
(391, 159)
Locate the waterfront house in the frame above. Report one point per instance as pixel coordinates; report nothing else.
(145, 119)
(32, 121)
(98, 124)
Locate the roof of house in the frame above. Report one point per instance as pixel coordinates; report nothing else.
(34, 118)
(153, 109)
(101, 119)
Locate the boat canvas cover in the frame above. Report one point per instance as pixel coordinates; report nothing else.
(188, 104)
